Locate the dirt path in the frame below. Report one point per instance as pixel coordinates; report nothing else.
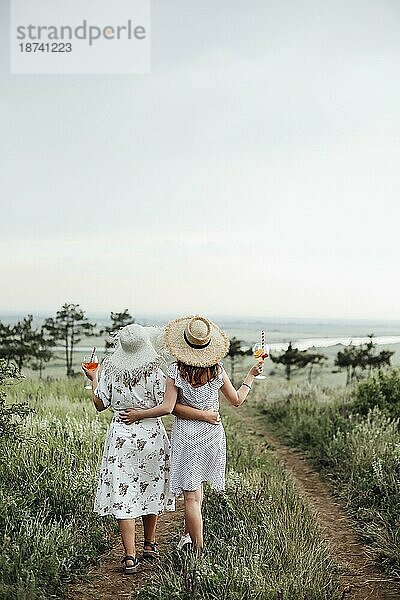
(106, 580)
(361, 578)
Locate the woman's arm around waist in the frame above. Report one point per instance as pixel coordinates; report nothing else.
(131, 415)
(183, 411)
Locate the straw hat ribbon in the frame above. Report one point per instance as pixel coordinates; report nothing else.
(196, 341)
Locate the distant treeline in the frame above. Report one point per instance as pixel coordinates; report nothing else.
(34, 347)
(354, 360)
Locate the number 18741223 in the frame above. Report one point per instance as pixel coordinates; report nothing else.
(48, 47)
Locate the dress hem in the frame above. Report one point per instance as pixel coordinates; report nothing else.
(179, 491)
(135, 516)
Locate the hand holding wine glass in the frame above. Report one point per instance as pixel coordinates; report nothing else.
(261, 352)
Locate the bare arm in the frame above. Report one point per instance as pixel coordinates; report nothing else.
(96, 400)
(92, 375)
(237, 397)
(130, 415)
(188, 412)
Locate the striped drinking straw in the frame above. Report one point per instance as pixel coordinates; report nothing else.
(262, 339)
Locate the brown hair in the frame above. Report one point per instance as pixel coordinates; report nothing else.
(195, 375)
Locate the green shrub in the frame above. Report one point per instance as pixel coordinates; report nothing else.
(382, 390)
(365, 461)
(11, 415)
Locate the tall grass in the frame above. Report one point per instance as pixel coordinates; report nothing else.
(356, 443)
(48, 531)
(260, 537)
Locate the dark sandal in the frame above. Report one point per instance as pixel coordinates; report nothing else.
(153, 552)
(130, 569)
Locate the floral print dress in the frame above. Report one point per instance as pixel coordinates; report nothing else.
(134, 471)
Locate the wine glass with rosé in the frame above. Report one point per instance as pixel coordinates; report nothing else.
(90, 362)
(260, 353)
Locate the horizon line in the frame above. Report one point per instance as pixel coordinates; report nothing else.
(216, 316)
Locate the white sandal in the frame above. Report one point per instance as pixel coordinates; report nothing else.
(185, 539)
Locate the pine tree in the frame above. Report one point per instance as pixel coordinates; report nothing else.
(6, 342)
(289, 359)
(118, 320)
(356, 359)
(310, 360)
(348, 359)
(43, 352)
(69, 324)
(23, 344)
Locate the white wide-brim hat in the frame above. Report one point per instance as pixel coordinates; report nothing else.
(196, 341)
(137, 350)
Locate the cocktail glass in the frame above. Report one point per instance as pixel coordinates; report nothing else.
(260, 352)
(90, 363)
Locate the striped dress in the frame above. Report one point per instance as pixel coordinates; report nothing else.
(198, 453)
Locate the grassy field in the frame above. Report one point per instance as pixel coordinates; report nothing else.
(260, 536)
(49, 533)
(355, 440)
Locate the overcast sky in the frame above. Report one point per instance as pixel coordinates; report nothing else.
(255, 172)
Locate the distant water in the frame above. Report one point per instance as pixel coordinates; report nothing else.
(305, 334)
(303, 344)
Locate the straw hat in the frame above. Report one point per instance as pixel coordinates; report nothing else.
(137, 348)
(196, 341)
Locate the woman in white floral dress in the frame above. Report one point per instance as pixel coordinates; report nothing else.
(134, 472)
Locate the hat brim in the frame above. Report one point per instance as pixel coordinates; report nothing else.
(196, 357)
(151, 351)
(127, 360)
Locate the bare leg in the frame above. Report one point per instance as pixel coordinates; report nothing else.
(193, 517)
(127, 530)
(149, 527)
(201, 488)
